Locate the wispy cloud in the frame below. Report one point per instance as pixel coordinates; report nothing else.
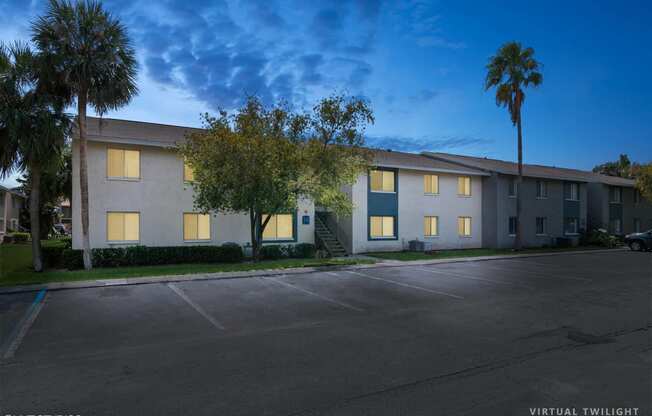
(421, 144)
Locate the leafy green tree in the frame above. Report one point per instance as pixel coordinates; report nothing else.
(33, 127)
(622, 168)
(644, 180)
(512, 69)
(92, 61)
(262, 161)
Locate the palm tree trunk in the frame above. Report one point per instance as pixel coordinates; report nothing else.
(83, 179)
(34, 217)
(518, 244)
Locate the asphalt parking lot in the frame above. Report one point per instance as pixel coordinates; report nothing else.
(492, 337)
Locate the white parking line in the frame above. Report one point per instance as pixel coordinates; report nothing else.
(195, 306)
(465, 276)
(332, 274)
(25, 324)
(337, 302)
(405, 285)
(536, 275)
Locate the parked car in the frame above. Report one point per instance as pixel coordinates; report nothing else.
(639, 241)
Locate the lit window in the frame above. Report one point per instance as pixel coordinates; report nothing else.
(431, 184)
(196, 226)
(382, 227)
(382, 181)
(123, 226)
(511, 192)
(188, 172)
(123, 163)
(513, 225)
(279, 227)
(430, 226)
(542, 189)
(464, 186)
(572, 225)
(541, 225)
(464, 226)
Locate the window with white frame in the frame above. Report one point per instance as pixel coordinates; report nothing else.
(541, 225)
(464, 186)
(616, 195)
(431, 184)
(382, 180)
(123, 226)
(279, 227)
(123, 164)
(572, 225)
(513, 226)
(512, 188)
(381, 227)
(464, 226)
(196, 226)
(430, 226)
(572, 191)
(542, 189)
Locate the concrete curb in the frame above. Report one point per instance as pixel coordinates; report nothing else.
(86, 284)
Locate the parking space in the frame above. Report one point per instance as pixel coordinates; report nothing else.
(331, 342)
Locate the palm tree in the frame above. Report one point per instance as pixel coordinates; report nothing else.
(510, 70)
(92, 56)
(33, 127)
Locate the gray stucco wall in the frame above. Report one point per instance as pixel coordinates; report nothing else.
(601, 209)
(552, 208)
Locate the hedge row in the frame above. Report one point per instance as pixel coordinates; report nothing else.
(146, 256)
(280, 251)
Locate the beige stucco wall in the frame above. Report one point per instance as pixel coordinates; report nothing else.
(161, 197)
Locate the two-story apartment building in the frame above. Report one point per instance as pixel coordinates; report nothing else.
(406, 197)
(140, 192)
(617, 206)
(11, 202)
(554, 201)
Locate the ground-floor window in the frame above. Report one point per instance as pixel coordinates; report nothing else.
(430, 226)
(513, 225)
(196, 226)
(464, 226)
(381, 227)
(279, 227)
(637, 225)
(571, 225)
(615, 225)
(123, 226)
(541, 225)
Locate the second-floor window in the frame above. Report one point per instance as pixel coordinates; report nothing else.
(637, 196)
(431, 184)
(572, 191)
(542, 189)
(512, 188)
(616, 195)
(123, 164)
(464, 186)
(188, 172)
(382, 181)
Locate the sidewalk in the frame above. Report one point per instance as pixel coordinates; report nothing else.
(274, 272)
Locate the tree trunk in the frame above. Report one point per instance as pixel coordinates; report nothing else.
(518, 244)
(83, 179)
(254, 239)
(34, 218)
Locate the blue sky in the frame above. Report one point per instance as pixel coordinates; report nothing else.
(420, 63)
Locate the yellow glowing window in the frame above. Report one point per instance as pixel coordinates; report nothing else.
(123, 163)
(431, 184)
(196, 226)
(464, 226)
(381, 227)
(188, 172)
(382, 181)
(430, 226)
(464, 186)
(279, 227)
(123, 226)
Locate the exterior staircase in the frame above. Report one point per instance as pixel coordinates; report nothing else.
(328, 239)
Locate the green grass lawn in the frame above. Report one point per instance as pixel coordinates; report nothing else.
(16, 268)
(474, 252)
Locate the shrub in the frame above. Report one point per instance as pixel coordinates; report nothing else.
(19, 238)
(53, 256)
(303, 251)
(602, 238)
(280, 251)
(150, 256)
(272, 252)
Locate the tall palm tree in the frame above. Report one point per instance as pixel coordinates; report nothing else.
(33, 127)
(92, 56)
(510, 70)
